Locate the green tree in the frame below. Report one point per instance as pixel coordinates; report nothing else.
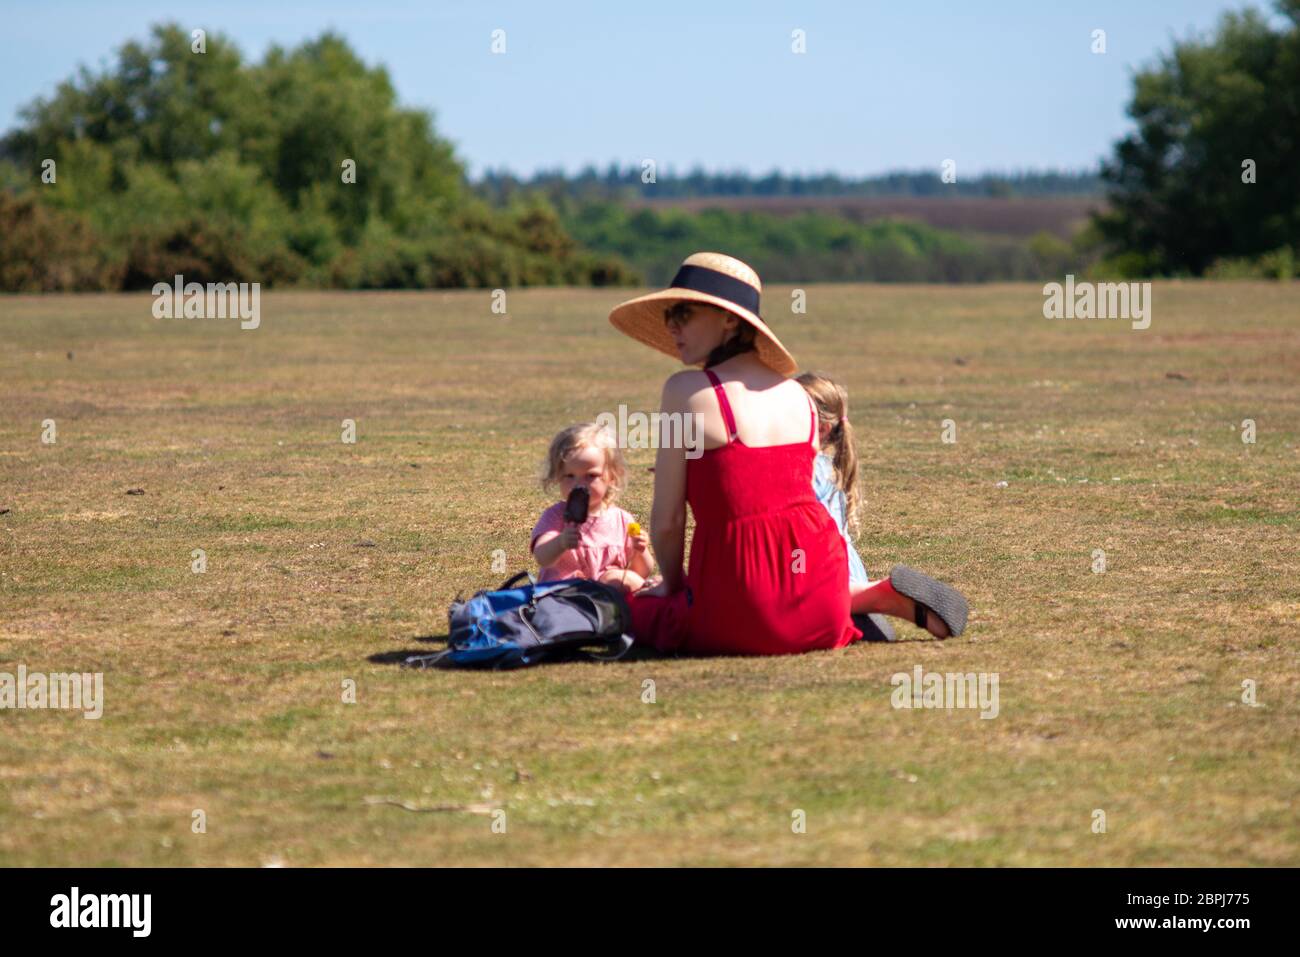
(1178, 201)
(198, 162)
(325, 106)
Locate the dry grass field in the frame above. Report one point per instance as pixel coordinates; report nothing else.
(224, 691)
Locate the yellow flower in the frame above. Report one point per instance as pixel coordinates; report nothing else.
(634, 529)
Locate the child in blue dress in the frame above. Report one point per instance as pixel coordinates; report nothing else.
(835, 482)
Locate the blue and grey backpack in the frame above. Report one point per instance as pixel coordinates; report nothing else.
(513, 627)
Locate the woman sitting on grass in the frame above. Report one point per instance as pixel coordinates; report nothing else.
(768, 568)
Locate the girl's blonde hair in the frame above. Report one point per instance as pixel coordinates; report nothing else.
(586, 435)
(832, 403)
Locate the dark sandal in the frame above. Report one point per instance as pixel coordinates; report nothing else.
(931, 595)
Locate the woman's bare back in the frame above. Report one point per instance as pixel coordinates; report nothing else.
(769, 408)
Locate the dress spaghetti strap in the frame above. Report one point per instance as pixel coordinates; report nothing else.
(723, 404)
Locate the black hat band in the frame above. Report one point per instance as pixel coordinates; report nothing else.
(714, 283)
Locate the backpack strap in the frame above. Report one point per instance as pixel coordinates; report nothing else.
(426, 661)
(723, 404)
(510, 582)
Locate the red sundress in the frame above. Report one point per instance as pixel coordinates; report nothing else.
(768, 571)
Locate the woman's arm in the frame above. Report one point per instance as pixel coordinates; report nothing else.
(668, 514)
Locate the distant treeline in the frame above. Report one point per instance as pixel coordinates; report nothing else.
(618, 182)
(819, 247)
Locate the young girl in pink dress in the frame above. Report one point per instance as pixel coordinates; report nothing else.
(609, 546)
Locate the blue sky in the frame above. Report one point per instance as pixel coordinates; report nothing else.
(1003, 85)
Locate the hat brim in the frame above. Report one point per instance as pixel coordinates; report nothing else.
(642, 318)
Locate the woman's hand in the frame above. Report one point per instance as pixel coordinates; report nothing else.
(659, 590)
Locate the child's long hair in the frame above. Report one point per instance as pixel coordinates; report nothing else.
(833, 410)
(586, 435)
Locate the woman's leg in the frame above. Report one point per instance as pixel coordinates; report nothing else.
(882, 598)
(660, 621)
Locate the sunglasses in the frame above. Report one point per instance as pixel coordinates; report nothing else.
(677, 315)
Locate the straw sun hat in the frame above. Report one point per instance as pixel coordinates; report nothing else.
(711, 278)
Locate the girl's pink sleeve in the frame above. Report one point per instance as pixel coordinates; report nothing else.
(552, 520)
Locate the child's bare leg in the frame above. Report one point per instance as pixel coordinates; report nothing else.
(629, 581)
(880, 597)
(877, 598)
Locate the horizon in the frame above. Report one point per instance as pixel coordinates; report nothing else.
(758, 174)
(965, 97)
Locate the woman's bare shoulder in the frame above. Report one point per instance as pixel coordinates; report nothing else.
(684, 384)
